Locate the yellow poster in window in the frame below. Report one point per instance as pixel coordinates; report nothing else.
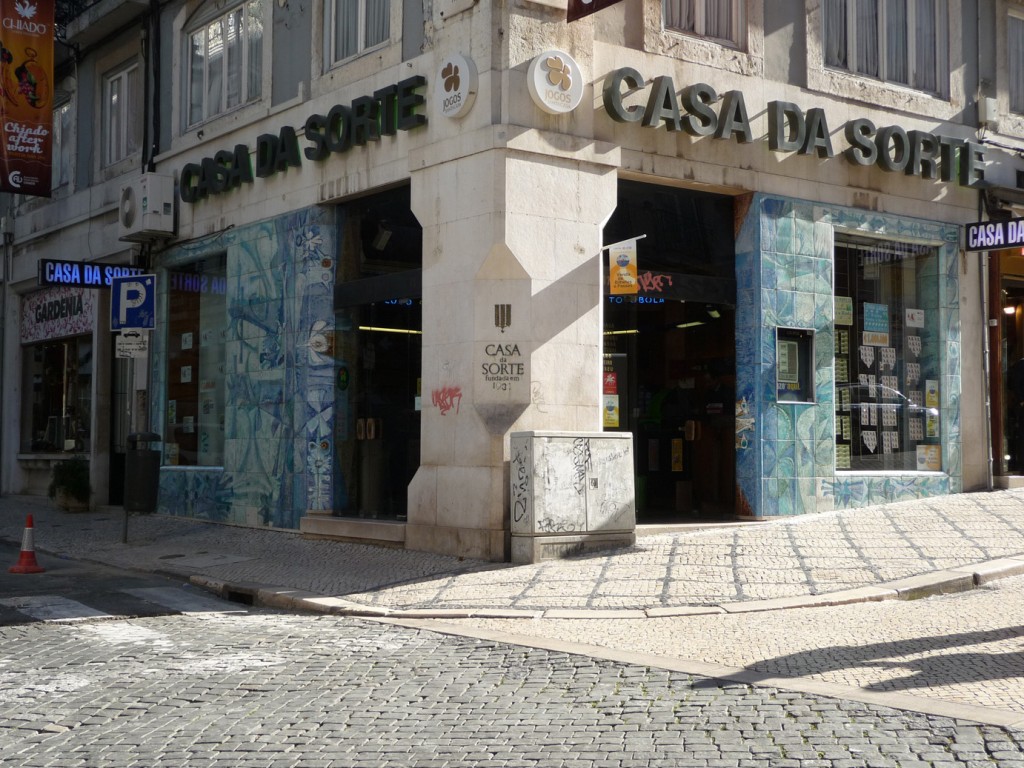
(622, 268)
(677, 455)
(611, 411)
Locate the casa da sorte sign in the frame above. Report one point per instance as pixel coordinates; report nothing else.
(366, 119)
(628, 97)
(698, 110)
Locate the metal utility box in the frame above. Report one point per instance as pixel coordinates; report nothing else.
(570, 492)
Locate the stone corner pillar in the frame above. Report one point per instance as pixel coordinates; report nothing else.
(511, 329)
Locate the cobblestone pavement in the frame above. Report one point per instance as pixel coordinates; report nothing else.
(964, 649)
(269, 690)
(810, 555)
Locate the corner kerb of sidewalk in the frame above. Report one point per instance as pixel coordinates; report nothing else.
(946, 581)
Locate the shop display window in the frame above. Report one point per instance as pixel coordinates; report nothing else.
(887, 399)
(58, 378)
(196, 325)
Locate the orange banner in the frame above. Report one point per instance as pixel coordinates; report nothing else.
(26, 96)
(622, 268)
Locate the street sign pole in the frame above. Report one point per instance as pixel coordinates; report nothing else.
(132, 309)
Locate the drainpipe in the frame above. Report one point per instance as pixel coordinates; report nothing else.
(7, 232)
(986, 357)
(984, 278)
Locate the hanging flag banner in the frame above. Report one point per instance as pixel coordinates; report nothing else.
(622, 268)
(26, 96)
(579, 8)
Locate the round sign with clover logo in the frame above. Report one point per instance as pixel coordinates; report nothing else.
(458, 85)
(555, 82)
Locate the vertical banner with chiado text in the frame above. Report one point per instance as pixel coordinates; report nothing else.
(26, 95)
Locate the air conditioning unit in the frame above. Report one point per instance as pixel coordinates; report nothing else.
(146, 211)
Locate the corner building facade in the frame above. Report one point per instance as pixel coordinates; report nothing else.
(386, 265)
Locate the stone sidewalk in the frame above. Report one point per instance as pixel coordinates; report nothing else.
(902, 550)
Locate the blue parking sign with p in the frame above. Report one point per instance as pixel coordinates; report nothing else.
(133, 302)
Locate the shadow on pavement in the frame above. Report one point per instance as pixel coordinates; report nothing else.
(928, 670)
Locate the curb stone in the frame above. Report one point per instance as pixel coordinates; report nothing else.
(944, 582)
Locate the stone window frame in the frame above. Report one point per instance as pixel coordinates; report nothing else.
(878, 93)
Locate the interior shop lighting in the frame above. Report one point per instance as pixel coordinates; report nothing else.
(690, 325)
(621, 333)
(1010, 309)
(378, 329)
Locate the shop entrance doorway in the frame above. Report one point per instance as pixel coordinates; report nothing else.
(1008, 386)
(377, 346)
(669, 352)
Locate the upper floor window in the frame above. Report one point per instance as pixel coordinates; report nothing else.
(717, 19)
(225, 62)
(898, 41)
(62, 141)
(1015, 55)
(122, 114)
(356, 25)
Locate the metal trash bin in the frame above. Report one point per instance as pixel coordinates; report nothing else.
(141, 472)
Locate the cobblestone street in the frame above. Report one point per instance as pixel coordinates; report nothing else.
(963, 649)
(264, 689)
(693, 648)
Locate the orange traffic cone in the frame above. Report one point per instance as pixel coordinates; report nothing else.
(27, 562)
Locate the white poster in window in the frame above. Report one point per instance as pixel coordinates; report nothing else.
(205, 449)
(789, 362)
(172, 411)
(188, 425)
(207, 397)
(186, 341)
(842, 370)
(870, 440)
(889, 416)
(916, 430)
(844, 310)
(842, 457)
(931, 393)
(888, 359)
(929, 458)
(867, 356)
(914, 318)
(186, 374)
(171, 453)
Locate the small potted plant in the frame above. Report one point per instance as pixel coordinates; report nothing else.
(69, 486)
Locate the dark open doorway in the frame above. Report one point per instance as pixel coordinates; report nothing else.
(670, 351)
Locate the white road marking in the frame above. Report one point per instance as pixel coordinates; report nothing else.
(53, 608)
(184, 601)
